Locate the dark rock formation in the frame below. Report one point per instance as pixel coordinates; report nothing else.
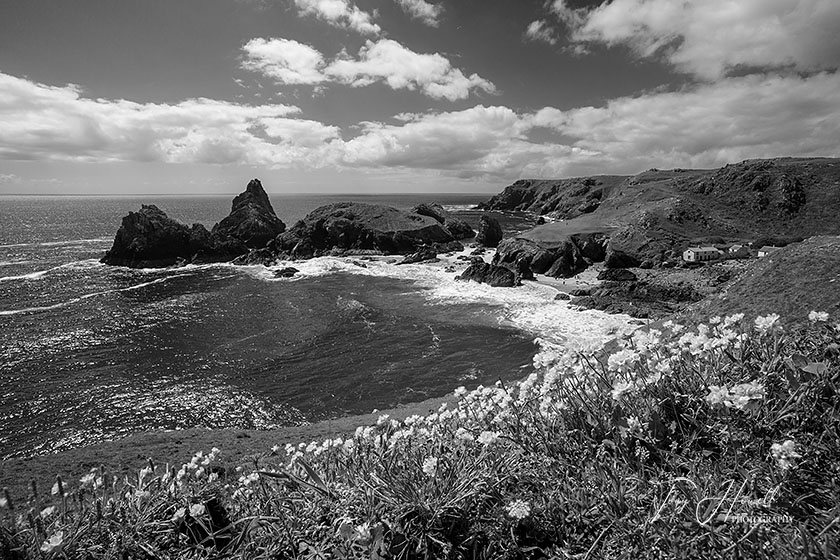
(617, 275)
(251, 220)
(562, 296)
(619, 259)
(458, 228)
(640, 299)
(513, 250)
(489, 231)
(423, 254)
(286, 272)
(264, 256)
(497, 276)
(356, 227)
(149, 238)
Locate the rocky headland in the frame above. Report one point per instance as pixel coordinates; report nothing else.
(644, 223)
(253, 234)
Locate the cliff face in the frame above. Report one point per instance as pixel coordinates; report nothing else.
(654, 215)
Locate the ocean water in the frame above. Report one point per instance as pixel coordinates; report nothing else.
(91, 353)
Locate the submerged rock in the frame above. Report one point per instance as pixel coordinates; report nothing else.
(286, 272)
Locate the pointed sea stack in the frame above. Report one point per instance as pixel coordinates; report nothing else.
(251, 220)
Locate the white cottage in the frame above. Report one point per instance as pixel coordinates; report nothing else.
(702, 254)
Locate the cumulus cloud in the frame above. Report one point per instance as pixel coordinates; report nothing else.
(385, 61)
(711, 38)
(401, 68)
(422, 10)
(8, 178)
(340, 13)
(704, 125)
(41, 122)
(541, 30)
(284, 60)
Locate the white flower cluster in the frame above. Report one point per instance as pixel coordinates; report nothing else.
(785, 454)
(741, 397)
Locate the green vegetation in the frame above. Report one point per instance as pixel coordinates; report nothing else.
(721, 441)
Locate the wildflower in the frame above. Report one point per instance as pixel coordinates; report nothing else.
(197, 510)
(717, 395)
(54, 544)
(733, 319)
(47, 511)
(742, 397)
(430, 466)
(715, 320)
(488, 438)
(519, 509)
(382, 419)
(621, 388)
(463, 435)
(275, 448)
(179, 515)
(818, 316)
(3, 502)
(767, 323)
(89, 479)
(622, 359)
(363, 534)
(785, 454)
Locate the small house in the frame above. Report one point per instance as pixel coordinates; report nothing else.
(702, 254)
(764, 251)
(738, 252)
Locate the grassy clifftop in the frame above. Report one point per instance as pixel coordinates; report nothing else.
(655, 214)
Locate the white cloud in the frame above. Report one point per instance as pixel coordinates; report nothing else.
(386, 61)
(41, 122)
(710, 38)
(8, 178)
(540, 30)
(705, 125)
(401, 68)
(284, 60)
(422, 10)
(340, 13)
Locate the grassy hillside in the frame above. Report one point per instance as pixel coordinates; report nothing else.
(802, 276)
(657, 213)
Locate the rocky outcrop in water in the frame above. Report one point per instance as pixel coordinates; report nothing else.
(458, 228)
(353, 227)
(559, 260)
(149, 238)
(489, 231)
(494, 275)
(251, 220)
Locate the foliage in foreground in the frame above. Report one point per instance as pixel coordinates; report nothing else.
(717, 442)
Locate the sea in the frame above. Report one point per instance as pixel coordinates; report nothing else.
(91, 353)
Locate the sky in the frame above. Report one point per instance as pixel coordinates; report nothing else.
(364, 96)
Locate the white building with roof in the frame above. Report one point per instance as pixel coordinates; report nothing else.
(702, 254)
